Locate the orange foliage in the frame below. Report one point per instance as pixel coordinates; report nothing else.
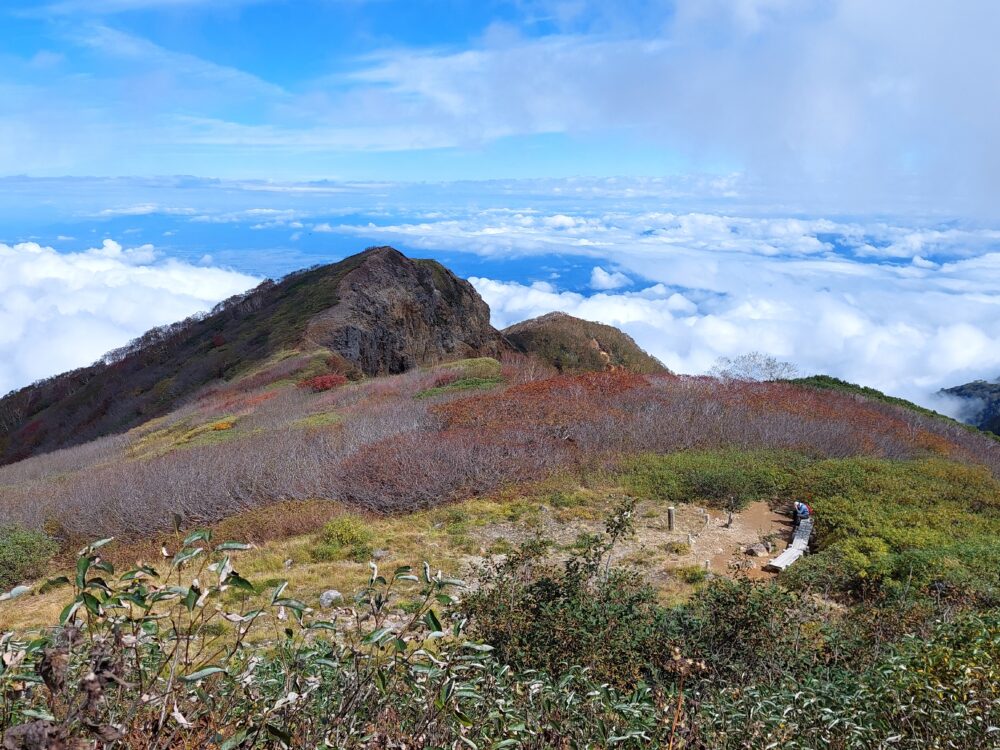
(322, 383)
(559, 400)
(235, 402)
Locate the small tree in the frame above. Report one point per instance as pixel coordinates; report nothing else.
(754, 367)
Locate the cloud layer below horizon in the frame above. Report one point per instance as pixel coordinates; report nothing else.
(904, 305)
(60, 311)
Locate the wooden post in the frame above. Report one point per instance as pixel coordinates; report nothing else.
(670, 518)
(708, 564)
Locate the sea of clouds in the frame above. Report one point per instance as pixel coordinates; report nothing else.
(907, 305)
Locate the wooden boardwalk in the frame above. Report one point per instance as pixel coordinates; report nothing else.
(798, 547)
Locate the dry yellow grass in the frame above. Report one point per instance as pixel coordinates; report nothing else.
(454, 538)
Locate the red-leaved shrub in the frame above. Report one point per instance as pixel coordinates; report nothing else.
(322, 383)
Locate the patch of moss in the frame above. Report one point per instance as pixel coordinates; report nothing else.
(465, 384)
(322, 419)
(346, 537)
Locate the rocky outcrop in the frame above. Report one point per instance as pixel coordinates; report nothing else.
(394, 313)
(574, 345)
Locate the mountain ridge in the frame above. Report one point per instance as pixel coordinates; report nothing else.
(376, 312)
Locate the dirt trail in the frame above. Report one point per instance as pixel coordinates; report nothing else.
(700, 535)
(710, 537)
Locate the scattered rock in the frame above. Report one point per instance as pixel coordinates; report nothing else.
(330, 597)
(288, 563)
(380, 554)
(757, 550)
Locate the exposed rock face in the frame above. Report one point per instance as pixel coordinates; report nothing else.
(572, 345)
(394, 313)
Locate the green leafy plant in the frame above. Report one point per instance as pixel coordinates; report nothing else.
(345, 537)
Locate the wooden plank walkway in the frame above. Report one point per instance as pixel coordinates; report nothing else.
(798, 547)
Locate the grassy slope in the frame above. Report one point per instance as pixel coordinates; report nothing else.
(84, 404)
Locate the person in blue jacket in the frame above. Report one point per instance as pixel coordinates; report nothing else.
(800, 512)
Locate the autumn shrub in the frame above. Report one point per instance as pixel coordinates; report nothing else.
(445, 377)
(750, 632)
(539, 615)
(942, 690)
(182, 658)
(192, 655)
(321, 383)
(390, 451)
(419, 470)
(345, 537)
(24, 554)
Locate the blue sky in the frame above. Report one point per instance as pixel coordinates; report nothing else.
(305, 89)
(812, 178)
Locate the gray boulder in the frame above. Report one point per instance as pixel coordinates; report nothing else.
(330, 597)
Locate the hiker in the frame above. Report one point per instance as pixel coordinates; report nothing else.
(800, 511)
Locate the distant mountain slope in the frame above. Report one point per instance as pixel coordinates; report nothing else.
(377, 312)
(828, 382)
(572, 345)
(984, 400)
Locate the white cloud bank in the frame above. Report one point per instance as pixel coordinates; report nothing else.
(59, 311)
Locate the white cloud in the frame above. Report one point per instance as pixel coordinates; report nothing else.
(603, 280)
(841, 100)
(59, 311)
(265, 217)
(145, 209)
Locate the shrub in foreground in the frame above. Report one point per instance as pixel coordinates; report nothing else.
(23, 554)
(192, 656)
